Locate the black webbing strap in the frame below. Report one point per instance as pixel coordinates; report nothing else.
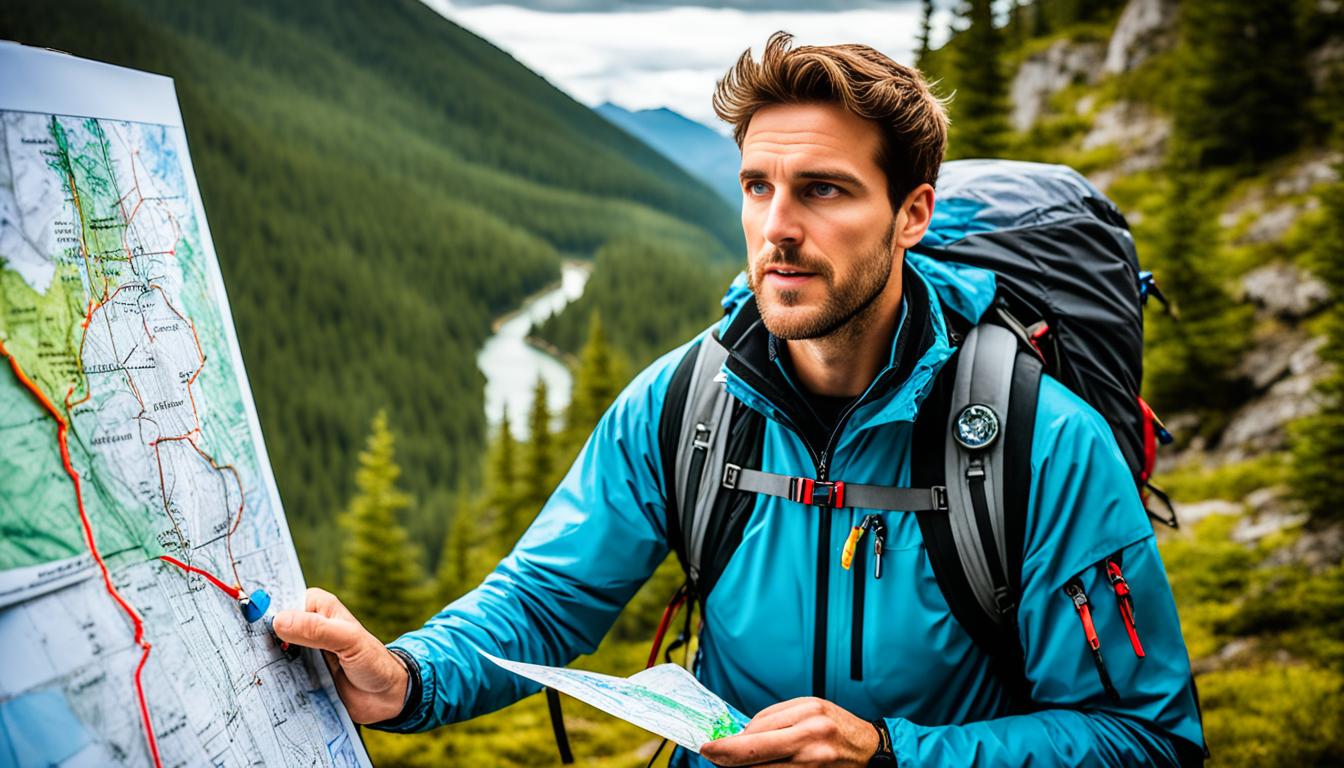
(1021, 424)
(805, 490)
(558, 726)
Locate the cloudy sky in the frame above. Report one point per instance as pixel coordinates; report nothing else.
(669, 53)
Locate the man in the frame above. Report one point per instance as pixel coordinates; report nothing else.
(832, 352)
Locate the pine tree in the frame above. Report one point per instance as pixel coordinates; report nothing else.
(1244, 81)
(1015, 30)
(1190, 358)
(980, 111)
(1318, 443)
(596, 384)
(468, 553)
(1040, 20)
(925, 29)
(502, 469)
(383, 581)
(539, 460)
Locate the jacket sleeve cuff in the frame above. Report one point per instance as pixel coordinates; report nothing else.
(904, 741)
(415, 707)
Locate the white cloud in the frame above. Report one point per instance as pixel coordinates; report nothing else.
(673, 56)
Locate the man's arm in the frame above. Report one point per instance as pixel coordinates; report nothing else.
(1083, 509)
(594, 543)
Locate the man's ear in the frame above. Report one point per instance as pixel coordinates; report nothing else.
(912, 220)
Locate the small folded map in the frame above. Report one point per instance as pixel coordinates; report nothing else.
(666, 699)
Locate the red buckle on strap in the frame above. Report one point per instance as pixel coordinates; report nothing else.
(819, 493)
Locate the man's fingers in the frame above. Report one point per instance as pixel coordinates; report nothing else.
(784, 714)
(753, 748)
(323, 602)
(317, 631)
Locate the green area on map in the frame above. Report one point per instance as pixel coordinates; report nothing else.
(43, 329)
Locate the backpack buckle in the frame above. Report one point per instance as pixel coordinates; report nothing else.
(701, 437)
(730, 475)
(939, 493)
(818, 493)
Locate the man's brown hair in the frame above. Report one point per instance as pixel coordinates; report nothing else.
(912, 121)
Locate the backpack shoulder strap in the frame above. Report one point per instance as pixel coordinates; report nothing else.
(973, 463)
(693, 433)
(974, 432)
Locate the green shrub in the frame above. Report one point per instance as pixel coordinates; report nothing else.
(1274, 715)
(1230, 481)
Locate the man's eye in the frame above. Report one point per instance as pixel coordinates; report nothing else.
(756, 188)
(826, 190)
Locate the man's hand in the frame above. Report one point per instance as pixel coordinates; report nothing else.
(805, 731)
(369, 678)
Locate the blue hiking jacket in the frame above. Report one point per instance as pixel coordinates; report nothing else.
(604, 530)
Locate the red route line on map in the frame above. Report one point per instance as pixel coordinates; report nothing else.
(138, 622)
(235, 592)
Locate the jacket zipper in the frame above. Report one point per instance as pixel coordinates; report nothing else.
(824, 567)
(1074, 590)
(820, 461)
(856, 625)
(1125, 601)
(874, 522)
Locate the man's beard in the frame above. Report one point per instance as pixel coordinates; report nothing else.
(844, 304)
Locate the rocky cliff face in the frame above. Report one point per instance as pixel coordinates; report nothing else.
(1144, 27)
(1282, 365)
(1044, 74)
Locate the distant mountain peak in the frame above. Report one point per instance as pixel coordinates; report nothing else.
(697, 148)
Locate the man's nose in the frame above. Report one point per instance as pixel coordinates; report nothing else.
(782, 222)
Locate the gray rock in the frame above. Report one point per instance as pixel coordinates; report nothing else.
(1270, 358)
(1284, 291)
(1233, 654)
(1253, 528)
(1274, 499)
(1326, 61)
(1316, 548)
(1139, 132)
(1258, 425)
(1298, 179)
(1318, 169)
(1129, 125)
(1144, 28)
(1046, 73)
(1189, 514)
(1274, 223)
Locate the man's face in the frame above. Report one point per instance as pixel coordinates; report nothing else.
(816, 216)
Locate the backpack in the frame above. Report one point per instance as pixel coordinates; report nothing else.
(1069, 302)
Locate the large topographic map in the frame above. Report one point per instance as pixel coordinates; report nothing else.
(137, 506)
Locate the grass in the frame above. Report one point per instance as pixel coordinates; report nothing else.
(1234, 481)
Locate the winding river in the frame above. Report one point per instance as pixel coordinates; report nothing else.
(511, 365)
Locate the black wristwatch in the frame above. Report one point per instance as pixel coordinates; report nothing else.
(884, 757)
(414, 691)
